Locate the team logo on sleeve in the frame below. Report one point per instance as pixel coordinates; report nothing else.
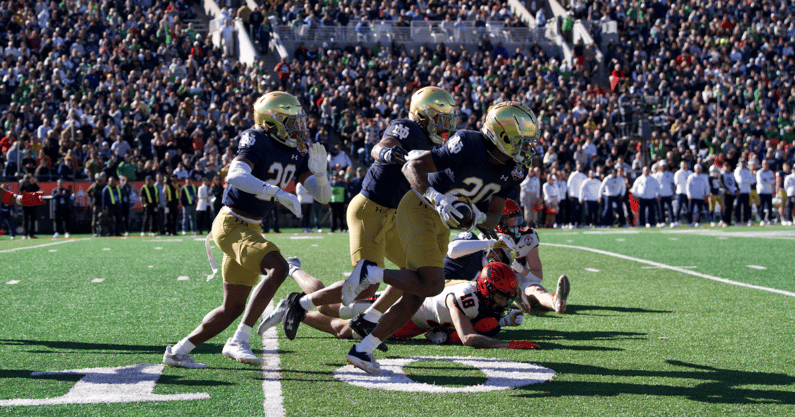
(454, 144)
(399, 131)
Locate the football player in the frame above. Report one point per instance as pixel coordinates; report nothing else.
(270, 155)
(466, 313)
(25, 199)
(530, 273)
(482, 167)
(371, 214)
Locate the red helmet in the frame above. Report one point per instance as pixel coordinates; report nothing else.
(497, 279)
(511, 220)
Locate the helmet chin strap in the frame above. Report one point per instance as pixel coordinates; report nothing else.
(491, 155)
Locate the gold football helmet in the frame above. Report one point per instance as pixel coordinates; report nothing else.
(513, 129)
(433, 109)
(282, 117)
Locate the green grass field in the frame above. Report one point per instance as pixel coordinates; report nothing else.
(637, 339)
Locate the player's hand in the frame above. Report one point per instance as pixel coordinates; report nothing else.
(505, 242)
(317, 159)
(444, 206)
(290, 201)
(31, 199)
(393, 155)
(524, 303)
(478, 216)
(522, 344)
(513, 318)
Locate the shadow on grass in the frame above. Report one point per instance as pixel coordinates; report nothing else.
(719, 386)
(61, 345)
(582, 309)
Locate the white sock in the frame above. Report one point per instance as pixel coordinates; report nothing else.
(368, 344)
(306, 303)
(183, 347)
(243, 333)
(376, 273)
(372, 315)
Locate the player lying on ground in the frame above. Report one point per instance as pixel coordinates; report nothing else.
(468, 313)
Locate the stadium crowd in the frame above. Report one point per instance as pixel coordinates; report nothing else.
(129, 89)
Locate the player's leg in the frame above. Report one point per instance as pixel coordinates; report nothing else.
(336, 327)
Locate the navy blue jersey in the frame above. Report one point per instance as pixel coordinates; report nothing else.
(274, 164)
(464, 169)
(385, 184)
(465, 267)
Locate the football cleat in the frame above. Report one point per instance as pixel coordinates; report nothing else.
(56, 235)
(364, 361)
(274, 317)
(293, 315)
(240, 351)
(181, 361)
(294, 263)
(357, 281)
(363, 327)
(437, 338)
(561, 294)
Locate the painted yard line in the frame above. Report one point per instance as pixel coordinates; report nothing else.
(163, 240)
(305, 237)
(271, 365)
(673, 268)
(182, 278)
(610, 232)
(591, 270)
(44, 245)
(13, 281)
(97, 279)
(756, 267)
(658, 267)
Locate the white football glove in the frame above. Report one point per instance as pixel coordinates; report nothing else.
(290, 201)
(478, 216)
(317, 160)
(513, 318)
(444, 206)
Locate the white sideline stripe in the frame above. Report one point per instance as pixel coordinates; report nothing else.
(53, 250)
(674, 268)
(657, 267)
(61, 242)
(305, 237)
(271, 365)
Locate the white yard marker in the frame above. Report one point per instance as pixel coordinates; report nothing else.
(53, 250)
(620, 240)
(105, 248)
(673, 268)
(97, 279)
(673, 238)
(314, 246)
(347, 274)
(591, 270)
(182, 278)
(658, 267)
(271, 367)
(756, 267)
(722, 237)
(158, 248)
(151, 266)
(306, 237)
(13, 281)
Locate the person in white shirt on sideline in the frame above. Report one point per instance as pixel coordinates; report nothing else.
(680, 181)
(646, 189)
(728, 190)
(203, 211)
(665, 177)
(564, 212)
(789, 188)
(589, 199)
(529, 191)
(765, 183)
(551, 200)
(744, 180)
(574, 184)
(697, 192)
(610, 193)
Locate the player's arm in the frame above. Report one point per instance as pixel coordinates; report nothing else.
(240, 176)
(496, 205)
(24, 199)
(416, 172)
(389, 151)
(532, 264)
(466, 332)
(316, 179)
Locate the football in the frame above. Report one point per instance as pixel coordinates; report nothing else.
(466, 211)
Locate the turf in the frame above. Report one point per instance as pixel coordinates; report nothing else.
(634, 341)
